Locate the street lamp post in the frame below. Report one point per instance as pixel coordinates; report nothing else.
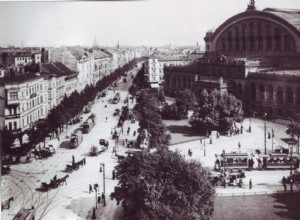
(250, 118)
(204, 148)
(103, 165)
(265, 141)
(291, 169)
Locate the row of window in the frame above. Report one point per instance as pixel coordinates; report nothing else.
(27, 119)
(268, 94)
(253, 35)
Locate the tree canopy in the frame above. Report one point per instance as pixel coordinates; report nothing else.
(216, 111)
(147, 110)
(293, 127)
(163, 185)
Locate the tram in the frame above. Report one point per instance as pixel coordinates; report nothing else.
(280, 161)
(233, 161)
(266, 161)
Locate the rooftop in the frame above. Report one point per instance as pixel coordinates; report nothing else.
(21, 78)
(292, 16)
(56, 68)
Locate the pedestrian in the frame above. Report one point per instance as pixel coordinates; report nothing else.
(113, 174)
(218, 135)
(284, 183)
(106, 119)
(103, 197)
(99, 198)
(134, 133)
(269, 135)
(73, 159)
(58, 138)
(239, 144)
(84, 161)
(250, 184)
(90, 189)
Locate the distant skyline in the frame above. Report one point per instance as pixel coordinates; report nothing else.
(133, 23)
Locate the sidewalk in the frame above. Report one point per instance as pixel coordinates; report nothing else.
(256, 190)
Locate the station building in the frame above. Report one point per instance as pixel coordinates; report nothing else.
(257, 54)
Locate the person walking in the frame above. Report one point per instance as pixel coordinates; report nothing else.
(250, 184)
(103, 197)
(90, 189)
(73, 159)
(284, 183)
(239, 145)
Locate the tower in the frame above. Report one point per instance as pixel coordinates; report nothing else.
(95, 43)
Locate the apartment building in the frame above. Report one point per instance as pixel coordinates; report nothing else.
(26, 100)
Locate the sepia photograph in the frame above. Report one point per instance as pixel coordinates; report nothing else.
(150, 110)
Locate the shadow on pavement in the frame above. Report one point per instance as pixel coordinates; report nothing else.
(288, 205)
(183, 129)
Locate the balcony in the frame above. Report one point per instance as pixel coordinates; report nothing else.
(13, 102)
(12, 116)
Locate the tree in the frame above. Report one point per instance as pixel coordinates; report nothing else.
(216, 111)
(293, 127)
(174, 111)
(185, 98)
(148, 113)
(163, 185)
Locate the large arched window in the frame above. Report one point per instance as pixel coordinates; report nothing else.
(287, 43)
(244, 36)
(289, 95)
(223, 45)
(277, 38)
(280, 95)
(237, 38)
(253, 91)
(229, 40)
(268, 37)
(251, 37)
(259, 36)
(270, 93)
(261, 92)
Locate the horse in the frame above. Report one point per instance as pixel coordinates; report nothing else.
(63, 180)
(6, 203)
(81, 162)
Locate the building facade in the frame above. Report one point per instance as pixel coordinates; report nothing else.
(154, 68)
(26, 101)
(257, 53)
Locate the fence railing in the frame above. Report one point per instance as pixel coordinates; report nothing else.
(256, 193)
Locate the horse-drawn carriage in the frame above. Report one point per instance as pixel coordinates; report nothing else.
(52, 185)
(75, 165)
(104, 142)
(71, 167)
(95, 150)
(233, 178)
(43, 153)
(9, 159)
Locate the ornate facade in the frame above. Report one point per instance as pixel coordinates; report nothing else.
(257, 54)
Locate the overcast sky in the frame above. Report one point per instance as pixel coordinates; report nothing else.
(148, 22)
